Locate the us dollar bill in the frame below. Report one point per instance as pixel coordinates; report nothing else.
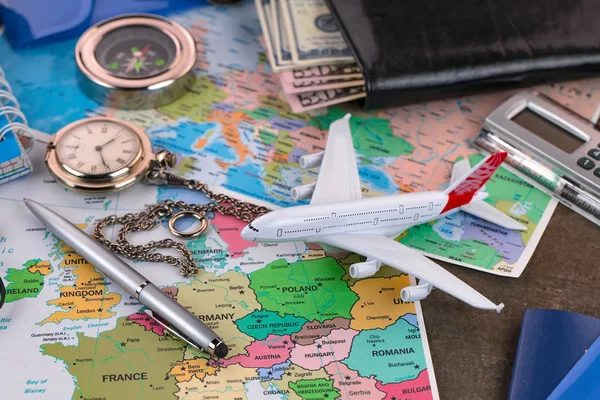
(304, 85)
(303, 102)
(323, 72)
(263, 9)
(282, 44)
(313, 36)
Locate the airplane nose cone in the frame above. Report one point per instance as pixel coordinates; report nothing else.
(247, 234)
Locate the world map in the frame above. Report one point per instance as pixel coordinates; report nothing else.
(298, 326)
(234, 131)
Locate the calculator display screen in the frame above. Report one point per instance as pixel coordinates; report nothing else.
(547, 130)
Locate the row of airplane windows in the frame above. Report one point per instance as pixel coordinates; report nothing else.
(375, 221)
(400, 210)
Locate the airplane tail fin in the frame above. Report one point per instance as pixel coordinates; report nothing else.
(467, 191)
(463, 189)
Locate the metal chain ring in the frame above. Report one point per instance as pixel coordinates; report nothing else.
(153, 215)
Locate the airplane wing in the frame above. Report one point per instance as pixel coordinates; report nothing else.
(410, 261)
(485, 211)
(338, 175)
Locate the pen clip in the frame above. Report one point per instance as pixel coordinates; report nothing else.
(171, 330)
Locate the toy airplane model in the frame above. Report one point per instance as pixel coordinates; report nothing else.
(338, 218)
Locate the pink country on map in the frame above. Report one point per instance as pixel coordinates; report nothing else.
(353, 386)
(331, 348)
(229, 228)
(416, 389)
(147, 322)
(264, 353)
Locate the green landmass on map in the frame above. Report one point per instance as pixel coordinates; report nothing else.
(315, 389)
(508, 187)
(196, 104)
(423, 237)
(311, 289)
(373, 137)
(27, 282)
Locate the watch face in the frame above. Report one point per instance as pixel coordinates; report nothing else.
(136, 52)
(98, 148)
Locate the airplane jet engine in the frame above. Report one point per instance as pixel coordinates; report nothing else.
(303, 192)
(311, 160)
(364, 269)
(415, 293)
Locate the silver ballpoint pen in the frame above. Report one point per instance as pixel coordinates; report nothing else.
(161, 307)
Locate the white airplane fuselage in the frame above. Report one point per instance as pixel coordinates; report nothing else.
(386, 215)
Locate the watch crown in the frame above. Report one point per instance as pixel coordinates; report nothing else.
(166, 159)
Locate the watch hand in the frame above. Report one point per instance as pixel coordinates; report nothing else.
(103, 161)
(110, 141)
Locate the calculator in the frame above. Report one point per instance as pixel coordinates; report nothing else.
(552, 134)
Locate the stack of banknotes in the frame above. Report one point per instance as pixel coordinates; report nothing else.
(307, 50)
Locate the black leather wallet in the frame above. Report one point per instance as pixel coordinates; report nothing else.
(412, 51)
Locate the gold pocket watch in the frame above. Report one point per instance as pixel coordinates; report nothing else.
(102, 154)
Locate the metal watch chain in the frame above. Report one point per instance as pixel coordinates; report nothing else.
(155, 214)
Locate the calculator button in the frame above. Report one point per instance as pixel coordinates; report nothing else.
(597, 172)
(585, 163)
(594, 153)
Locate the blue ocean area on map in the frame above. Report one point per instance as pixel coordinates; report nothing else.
(49, 96)
(238, 177)
(377, 179)
(184, 134)
(34, 85)
(451, 226)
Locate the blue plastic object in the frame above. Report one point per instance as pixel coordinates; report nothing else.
(551, 343)
(583, 381)
(29, 22)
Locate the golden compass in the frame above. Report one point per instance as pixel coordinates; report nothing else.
(136, 61)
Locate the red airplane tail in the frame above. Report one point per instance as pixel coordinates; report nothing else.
(463, 190)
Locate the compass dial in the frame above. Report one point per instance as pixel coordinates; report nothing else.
(136, 51)
(98, 148)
